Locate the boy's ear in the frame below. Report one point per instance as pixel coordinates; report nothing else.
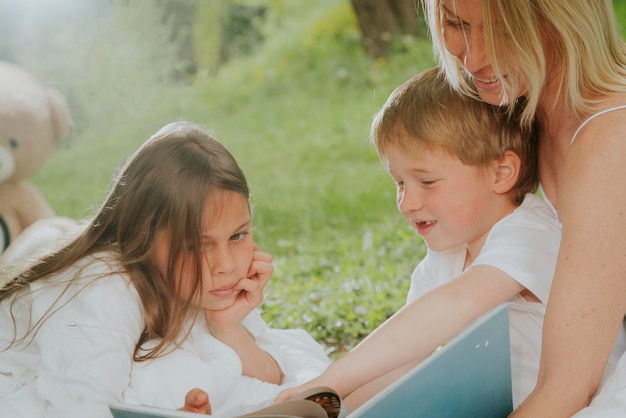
(507, 172)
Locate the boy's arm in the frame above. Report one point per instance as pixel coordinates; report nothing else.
(415, 331)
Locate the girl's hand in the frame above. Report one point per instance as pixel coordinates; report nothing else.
(250, 297)
(197, 401)
(226, 324)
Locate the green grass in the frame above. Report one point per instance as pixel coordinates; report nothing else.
(296, 115)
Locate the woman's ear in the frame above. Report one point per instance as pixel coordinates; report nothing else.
(507, 172)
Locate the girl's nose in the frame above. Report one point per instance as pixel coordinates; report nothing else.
(222, 260)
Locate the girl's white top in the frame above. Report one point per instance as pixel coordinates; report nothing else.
(81, 358)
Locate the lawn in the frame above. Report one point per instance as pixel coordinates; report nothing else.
(295, 114)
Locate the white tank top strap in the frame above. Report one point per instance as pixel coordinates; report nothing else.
(590, 118)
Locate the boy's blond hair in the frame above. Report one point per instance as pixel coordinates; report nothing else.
(427, 111)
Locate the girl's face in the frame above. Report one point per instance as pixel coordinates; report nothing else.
(227, 246)
(445, 201)
(463, 32)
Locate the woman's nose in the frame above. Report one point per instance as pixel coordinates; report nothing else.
(468, 46)
(475, 57)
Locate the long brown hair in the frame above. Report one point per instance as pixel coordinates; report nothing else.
(162, 186)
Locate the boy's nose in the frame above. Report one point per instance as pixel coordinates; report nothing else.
(409, 201)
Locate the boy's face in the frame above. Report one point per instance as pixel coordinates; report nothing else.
(447, 202)
(228, 249)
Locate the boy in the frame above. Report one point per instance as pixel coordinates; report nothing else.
(466, 174)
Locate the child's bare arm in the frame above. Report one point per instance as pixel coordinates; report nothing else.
(414, 332)
(226, 325)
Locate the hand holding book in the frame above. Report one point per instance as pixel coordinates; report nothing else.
(319, 402)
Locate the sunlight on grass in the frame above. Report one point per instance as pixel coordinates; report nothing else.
(296, 116)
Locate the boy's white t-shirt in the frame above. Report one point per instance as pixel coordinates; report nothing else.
(524, 245)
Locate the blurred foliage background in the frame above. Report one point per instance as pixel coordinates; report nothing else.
(289, 86)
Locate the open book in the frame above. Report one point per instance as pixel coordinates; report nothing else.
(468, 377)
(320, 402)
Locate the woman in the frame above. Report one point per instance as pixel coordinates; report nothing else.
(567, 58)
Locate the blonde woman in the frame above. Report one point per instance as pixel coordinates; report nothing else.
(567, 59)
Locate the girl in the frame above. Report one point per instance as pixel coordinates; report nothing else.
(155, 296)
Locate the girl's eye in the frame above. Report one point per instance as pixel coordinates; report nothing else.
(428, 182)
(239, 236)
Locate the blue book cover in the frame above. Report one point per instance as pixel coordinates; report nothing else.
(468, 377)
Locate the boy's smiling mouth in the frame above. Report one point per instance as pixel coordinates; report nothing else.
(424, 227)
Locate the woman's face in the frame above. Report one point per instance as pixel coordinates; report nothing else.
(227, 248)
(463, 32)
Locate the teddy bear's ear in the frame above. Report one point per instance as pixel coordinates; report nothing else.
(59, 114)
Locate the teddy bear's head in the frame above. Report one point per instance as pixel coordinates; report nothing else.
(33, 119)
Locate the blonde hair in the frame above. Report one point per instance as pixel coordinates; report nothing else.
(584, 36)
(162, 187)
(427, 111)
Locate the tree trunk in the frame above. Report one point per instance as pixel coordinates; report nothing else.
(381, 21)
(180, 14)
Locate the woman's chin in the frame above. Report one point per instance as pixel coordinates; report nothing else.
(493, 97)
(497, 97)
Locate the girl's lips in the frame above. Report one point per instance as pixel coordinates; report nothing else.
(225, 292)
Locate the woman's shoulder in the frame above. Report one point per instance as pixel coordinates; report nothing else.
(604, 120)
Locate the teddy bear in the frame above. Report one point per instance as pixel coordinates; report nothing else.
(34, 118)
